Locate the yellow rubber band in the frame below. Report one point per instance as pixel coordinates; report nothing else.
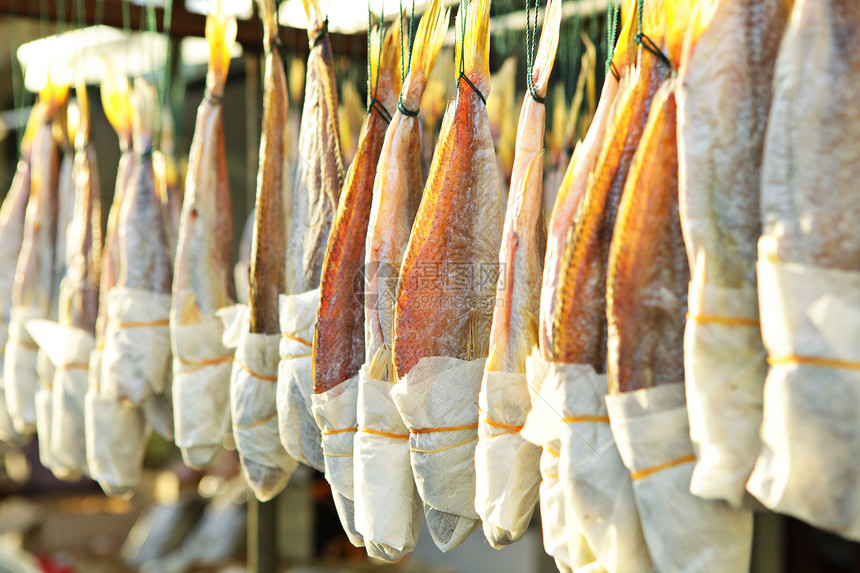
(23, 343)
(255, 424)
(339, 431)
(165, 322)
(444, 429)
(337, 455)
(373, 432)
(254, 374)
(297, 339)
(653, 470)
(730, 321)
(551, 452)
(592, 419)
(74, 366)
(437, 450)
(221, 360)
(494, 424)
(814, 361)
(297, 356)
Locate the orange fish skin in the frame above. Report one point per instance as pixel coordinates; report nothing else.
(268, 245)
(339, 335)
(572, 189)
(459, 221)
(579, 324)
(648, 273)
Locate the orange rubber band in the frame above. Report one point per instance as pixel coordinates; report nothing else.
(444, 429)
(337, 455)
(255, 424)
(297, 356)
(593, 419)
(494, 424)
(373, 432)
(653, 470)
(23, 343)
(254, 374)
(551, 452)
(204, 362)
(730, 321)
(813, 361)
(74, 366)
(165, 322)
(340, 431)
(444, 448)
(297, 339)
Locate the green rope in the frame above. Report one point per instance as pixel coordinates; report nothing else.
(405, 67)
(611, 32)
(167, 23)
(531, 42)
(464, 10)
(373, 89)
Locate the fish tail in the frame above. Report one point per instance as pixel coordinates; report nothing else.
(54, 95)
(313, 13)
(384, 78)
(625, 48)
(475, 49)
(699, 20)
(382, 365)
(221, 35)
(678, 17)
(547, 48)
(269, 17)
(428, 43)
(116, 101)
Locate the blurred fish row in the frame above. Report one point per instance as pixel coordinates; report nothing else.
(670, 348)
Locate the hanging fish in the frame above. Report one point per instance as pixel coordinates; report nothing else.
(312, 205)
(137, 340)
(34, 273)
(388, 508)
(203, 270)
(68, 342)
(12, 217)
(506, 499)
(338, 349)
(169, 180)
(115, 428)
(725, 90)
(808, 260)
(256, 334)
(447, 292)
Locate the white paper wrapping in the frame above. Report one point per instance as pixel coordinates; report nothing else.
(266, 465)
(68, 350)
(684, 533)
(137, 352)
(116, 435)
(299, 432)
(335, 414)
(44, 414)
(810, 432)
(21, 377)
(562, 538)
(507, 466)
(7, 428)
(388, 508)
(438, 402)
(201, 390)
(725, 365)
(598, 491)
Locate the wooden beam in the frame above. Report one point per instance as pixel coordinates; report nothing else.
(249, 33)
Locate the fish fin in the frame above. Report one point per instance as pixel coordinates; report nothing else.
(116, 100)
(382, 365)
(54, 94)
(33, 123)
(428, 43)
(312, 11)
(547, 47)
(678, 19)
(625, 48)
(476, 48)
(221, 35)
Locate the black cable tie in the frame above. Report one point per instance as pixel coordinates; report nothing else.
(463, 76)
(614, 71)
(320, 35)
(650, 46)
(375, 104)
(404, 110)
(146, 152)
